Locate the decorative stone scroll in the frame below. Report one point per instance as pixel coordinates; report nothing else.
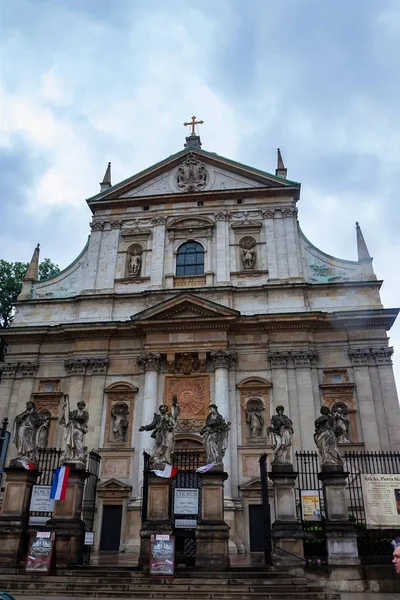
(150, 361)
(76, 366)
(192, 175)
(8, 369)
(223, 359)
(382, 356)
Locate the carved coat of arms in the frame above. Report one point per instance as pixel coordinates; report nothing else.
(192, 175)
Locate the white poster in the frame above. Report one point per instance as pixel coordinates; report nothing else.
(186, 501)
(40, 499)
(381, 500)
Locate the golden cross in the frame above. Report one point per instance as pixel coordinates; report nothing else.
(193, 122)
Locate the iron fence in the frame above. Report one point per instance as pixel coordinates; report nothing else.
(89, 499)
(187, 460)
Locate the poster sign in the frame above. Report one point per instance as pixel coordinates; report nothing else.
(310, 507)
(186, 501)
(40, 499)
(89, 538)
(162, 555)
(40, 551)
(185, 523)
(381, 500)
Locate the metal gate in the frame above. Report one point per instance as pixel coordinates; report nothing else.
(89, 499)
(187, 462)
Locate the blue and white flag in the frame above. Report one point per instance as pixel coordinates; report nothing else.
(59, 483)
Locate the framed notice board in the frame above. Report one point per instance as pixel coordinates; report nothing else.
(40, 552)
(162, 555)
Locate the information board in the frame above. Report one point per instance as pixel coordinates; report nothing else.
(40, 499)
(185, 523)
(186, 501)
(40, 551)
(310, 507)
(162, 555)
(381, 500)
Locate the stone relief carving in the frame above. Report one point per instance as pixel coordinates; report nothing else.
(280, 434)
(26, 427)
(98, 226)
(191, 397)
(76, 366)
(278, 359)
(304, 358)
(134, 258)
(382, 356)
(187, 363)
(248, 246)
(255, 417)
(163, 428)
(119, 427)
(28, 369)
(360, 356)
(76, 426)
(215, 436)
(189, 425)
(150, 361)
(323, 273)
(8, 369)
(326, 440)
(99, 366)
(192, 175)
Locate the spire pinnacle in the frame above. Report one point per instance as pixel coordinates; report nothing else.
(106, 183)
(281, 170)
(362, 249)
(32, 271)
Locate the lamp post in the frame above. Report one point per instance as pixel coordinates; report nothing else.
(266, 510)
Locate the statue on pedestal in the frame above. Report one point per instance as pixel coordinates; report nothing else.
(326, 439)
(215, 436)
(76, 426)
(26, 427)
(281, 437)
(163, 427)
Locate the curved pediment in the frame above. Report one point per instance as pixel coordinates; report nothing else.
(190, 222)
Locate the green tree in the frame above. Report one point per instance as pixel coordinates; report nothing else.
(11, 277)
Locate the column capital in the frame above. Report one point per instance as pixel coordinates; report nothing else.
(76, 366)
(99, 366)
(150, 361)
(28, 369)
(159, 221)
(304, 358)
(278, 358)
(360, 356)
(223, 359)
(8, 369)
(382, 356)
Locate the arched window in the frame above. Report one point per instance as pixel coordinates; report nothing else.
(190, 259)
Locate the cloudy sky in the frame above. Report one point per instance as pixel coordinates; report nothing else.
(84, 82)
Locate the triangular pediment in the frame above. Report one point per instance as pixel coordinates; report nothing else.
(252, 484)
(185, 307)
(114, 484)
(190, 171)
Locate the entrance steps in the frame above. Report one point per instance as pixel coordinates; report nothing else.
(104, 582)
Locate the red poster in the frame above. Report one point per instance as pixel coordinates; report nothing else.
(162, 558)
(41, 546)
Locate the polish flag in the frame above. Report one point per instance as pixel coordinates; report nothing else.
(27, 464)
(59, 483)
(169, 471)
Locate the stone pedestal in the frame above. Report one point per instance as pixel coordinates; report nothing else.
(14, 515)
(66, 521)
(157, 515)
(341, 536)
(212, 533)
(287, 533)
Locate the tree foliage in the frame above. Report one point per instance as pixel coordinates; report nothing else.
(11, 277)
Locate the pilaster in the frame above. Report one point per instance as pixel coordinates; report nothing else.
(303, 361)
(383, 361)
(8, 373)
(158, 249)
(269, 229)
(361, 358)
(108, 255)
(222, 248)
(151, 364)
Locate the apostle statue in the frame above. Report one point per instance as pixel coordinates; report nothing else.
(76, 426)
(215, 436)
(135, 262)
(255, 418)
(163, 427)
(248, 258)
(119, 412)
(342, 425)
(25, 431)
(326, 439)
(280, 434)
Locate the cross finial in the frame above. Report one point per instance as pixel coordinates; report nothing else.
(193, 122)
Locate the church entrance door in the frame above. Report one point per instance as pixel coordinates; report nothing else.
(256, 520)
(111, 527)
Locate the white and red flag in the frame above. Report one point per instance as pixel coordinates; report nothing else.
(169, 471)
(27, 464)
(59, 483)
(205, 468)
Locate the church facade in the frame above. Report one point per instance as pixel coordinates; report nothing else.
(197, 281)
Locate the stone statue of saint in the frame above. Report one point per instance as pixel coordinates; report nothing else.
(42, 434)
(135, 262)
(120, 426)
(342, 425)
(163, 427)
(248, 258)
(26, 426)
(255, 418)
(325, 437)
(76, 426)
(215, 436)
(281, 437)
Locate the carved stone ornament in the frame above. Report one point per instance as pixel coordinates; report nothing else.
(187, 363)
(76, 366)
(382, 356)
(150, 361)
(98, 226)
(223, 359)
(99, 366)
(189, 425)
(289, 212)
(116, 224)
(28, 369)
(360, 356)
(159, 221)
(8, 369)
(304, 358)
(192, 175)
(278, 359)
(268, 214)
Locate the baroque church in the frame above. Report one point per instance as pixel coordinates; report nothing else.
(197, 281)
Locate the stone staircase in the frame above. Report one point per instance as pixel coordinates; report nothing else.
(247, 583)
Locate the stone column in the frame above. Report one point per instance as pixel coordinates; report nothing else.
(158, 249)
(151, 364)
(222, 248)
(303, 361)
(284, 388)
(281, 250)
(8, 372)
(96, 410)
(66, 521)
(361, 358)
(293, 249)
(383, 360)
(212, 533)
(341, 536)
(14, 515)
(287, 532)
(272, 261)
